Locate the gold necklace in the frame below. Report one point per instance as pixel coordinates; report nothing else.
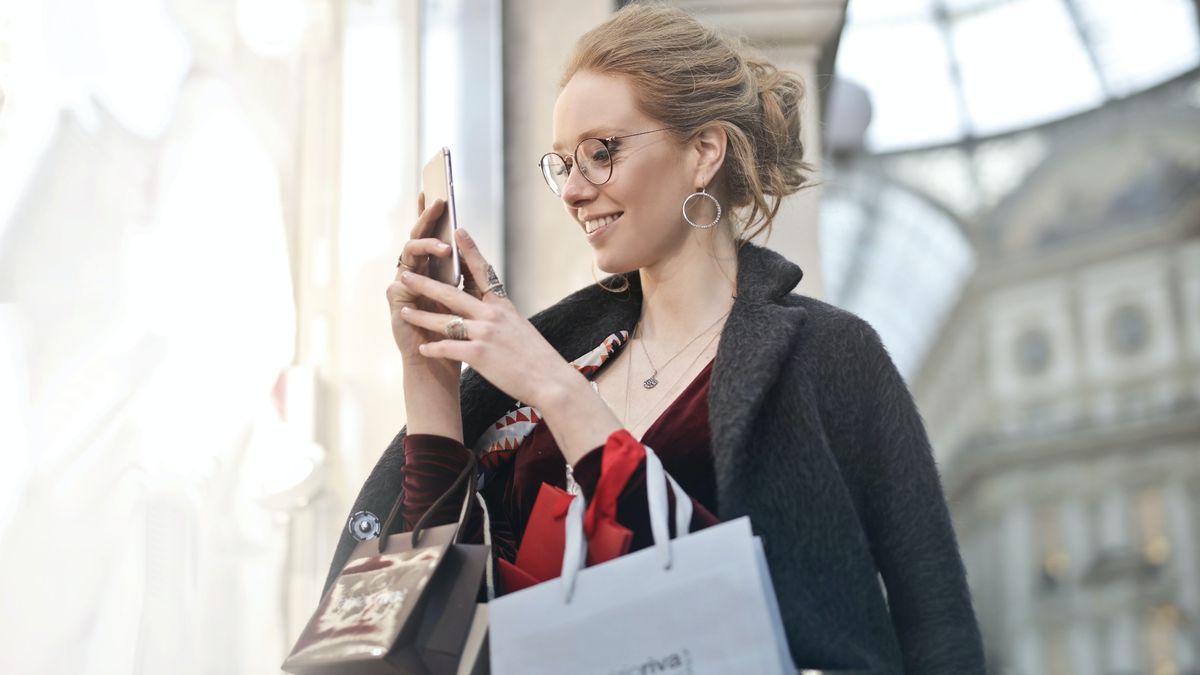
(625, 414)
(652, 381)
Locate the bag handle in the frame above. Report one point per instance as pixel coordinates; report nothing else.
(656, 494)
(468, 472)
(575, 547)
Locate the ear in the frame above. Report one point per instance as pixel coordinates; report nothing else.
(709, 147)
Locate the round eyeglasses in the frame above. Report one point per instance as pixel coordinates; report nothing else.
(593, 156)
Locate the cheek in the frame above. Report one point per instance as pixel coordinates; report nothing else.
(656, 190)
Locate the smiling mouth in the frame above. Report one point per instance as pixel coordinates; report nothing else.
(595, 224)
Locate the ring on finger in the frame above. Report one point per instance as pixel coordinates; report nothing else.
(494, 285)
(400, 263)
(456, 329)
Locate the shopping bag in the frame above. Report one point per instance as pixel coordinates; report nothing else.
(474, 659)
(699, 603)
(539, 557)
(402, 604)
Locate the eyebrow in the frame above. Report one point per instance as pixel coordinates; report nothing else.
(594, 132)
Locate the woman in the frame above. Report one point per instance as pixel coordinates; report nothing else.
(671, 150)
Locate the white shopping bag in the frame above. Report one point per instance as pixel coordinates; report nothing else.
(701, 603)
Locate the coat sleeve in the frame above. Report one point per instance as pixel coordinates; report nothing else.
(909, 527)
(481, 403)
(426, 468)
(378, 494)
(431, 465)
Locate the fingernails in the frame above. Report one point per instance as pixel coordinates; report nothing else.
(406, 275)
(405, 310)
(443, 247)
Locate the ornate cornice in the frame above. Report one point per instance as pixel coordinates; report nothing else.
(773, 23)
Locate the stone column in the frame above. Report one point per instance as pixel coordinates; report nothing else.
(793, 34)
(547, 258)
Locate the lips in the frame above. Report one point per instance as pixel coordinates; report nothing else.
(593, 225)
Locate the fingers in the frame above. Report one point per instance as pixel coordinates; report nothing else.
(436, 323)
(420, 203)
(455, 300)
(481, 272)
(415, 248)
(464, 351)
(397, 295)
(471, 256)
(427, 219)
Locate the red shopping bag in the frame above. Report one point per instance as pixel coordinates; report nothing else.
(540, 555)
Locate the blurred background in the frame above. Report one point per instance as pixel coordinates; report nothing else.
(201, 203)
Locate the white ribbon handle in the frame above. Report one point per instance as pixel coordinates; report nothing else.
(575, 555)
(656, 494)
(490, 576)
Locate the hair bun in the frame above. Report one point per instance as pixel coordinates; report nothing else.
(780, 147)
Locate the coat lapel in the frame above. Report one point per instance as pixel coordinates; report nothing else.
(755, 345)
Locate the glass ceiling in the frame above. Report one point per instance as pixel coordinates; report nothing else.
(892, 257)
(939, 71)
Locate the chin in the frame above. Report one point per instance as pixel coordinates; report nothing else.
(615, 264)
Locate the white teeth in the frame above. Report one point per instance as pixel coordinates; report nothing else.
(591, 226)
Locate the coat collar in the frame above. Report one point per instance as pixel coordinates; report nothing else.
(764, 275)
(755, 342)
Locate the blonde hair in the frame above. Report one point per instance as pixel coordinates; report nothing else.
(688, 76)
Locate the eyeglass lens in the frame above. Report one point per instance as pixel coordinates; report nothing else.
(591, 156)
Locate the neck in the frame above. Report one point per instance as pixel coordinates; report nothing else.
(684, 293)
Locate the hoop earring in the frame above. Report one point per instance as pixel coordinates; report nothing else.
(702, 193)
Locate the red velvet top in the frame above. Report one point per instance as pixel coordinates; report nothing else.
(512, 478)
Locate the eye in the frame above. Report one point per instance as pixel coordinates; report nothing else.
(601, 155)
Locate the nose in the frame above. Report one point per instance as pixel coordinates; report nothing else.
(578, 190)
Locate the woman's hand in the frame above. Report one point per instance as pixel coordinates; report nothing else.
(499, 343)
(430, 385)
(415, 258)
(505, 348)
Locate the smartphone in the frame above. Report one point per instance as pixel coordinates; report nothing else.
(437, 182)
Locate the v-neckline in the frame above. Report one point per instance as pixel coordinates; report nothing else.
(705, 371)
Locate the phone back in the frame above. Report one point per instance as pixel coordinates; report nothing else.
(437, 183)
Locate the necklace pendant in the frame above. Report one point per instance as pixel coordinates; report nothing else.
(650, 382)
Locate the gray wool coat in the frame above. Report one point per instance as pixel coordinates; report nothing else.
(814, 436)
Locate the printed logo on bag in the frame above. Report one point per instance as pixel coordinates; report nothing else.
(364, 610)
(675, 663)
(370, 607)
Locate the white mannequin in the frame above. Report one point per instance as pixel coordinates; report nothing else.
(148, 273)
